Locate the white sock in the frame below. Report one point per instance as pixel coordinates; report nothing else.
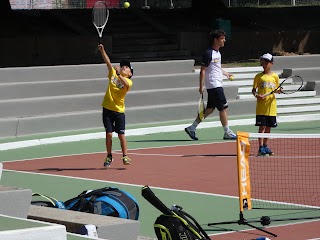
(226, 128)
(194, 125)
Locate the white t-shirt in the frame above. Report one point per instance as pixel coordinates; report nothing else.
(213, 75)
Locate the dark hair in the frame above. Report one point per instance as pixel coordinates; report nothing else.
(217, 34)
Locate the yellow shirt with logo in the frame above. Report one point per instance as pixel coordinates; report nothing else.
(265, 83)
(114, 99)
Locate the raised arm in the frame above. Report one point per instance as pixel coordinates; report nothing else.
(105, 57)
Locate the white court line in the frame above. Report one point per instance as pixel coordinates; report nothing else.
(144, 131)
(125, 184)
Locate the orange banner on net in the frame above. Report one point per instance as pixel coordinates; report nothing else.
(243, 152)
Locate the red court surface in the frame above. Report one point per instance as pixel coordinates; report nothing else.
(209, 168)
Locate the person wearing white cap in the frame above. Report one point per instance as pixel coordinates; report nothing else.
(113, 105)
(266, 107)
(211, 77)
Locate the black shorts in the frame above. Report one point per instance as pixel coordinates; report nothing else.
(217, 99)
(113, 121)
(267, 121)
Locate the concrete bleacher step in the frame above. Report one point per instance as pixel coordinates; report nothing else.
(91, 71)
(71, 121)
(279, 96)
(295, 109)
(13, 228)
(22, 90)
(111, 228)
(14, 201)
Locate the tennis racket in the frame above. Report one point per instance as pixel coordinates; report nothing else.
(289, 85)
(100, 15)
(147, 193)
(201, 107)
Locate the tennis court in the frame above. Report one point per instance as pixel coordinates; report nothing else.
(199, 176)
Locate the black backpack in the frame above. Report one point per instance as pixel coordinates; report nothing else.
(174, 224)
(106, 201)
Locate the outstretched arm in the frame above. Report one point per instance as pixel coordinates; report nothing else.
(105, 57)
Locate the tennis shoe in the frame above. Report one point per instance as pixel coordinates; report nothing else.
(262, 152)
(191, 133)
(108, 162)
(267, 150)
(126, 160)
(229, 135)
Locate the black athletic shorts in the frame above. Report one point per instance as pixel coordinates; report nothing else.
(217, 99)
(268, 121)
(113, 121)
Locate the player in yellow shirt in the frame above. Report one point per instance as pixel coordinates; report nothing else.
(266, 108)
(114, 105)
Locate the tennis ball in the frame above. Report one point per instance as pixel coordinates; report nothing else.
(231, 78)
(126, 4)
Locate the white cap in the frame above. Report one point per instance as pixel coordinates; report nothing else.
(267, 56)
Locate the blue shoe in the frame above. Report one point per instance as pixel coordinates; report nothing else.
(267, 150)
(229, 135)
(108, 162)
(262, 152)
(191, 133)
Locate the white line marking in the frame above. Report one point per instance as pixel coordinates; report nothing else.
(144, 131)
(125, 184)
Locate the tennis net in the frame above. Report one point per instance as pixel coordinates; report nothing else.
(289, 179)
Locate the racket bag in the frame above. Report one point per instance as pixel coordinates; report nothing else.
(106, 201)
(178, 226)
(47, 201)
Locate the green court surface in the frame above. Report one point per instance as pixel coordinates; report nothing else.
(206, 208)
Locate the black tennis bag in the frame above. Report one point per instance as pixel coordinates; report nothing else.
(174, 224)
(178, 226)
(106, 201)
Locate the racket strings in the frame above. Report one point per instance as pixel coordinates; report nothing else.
(100, 14)
(294, 84)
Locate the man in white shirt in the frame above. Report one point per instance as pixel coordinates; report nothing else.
(211, 76)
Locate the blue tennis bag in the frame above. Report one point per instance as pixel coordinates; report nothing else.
(106, 201)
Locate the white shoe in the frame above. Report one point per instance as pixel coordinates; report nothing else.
(229, 135)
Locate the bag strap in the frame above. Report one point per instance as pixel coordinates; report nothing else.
(53, 201)
(181, 214)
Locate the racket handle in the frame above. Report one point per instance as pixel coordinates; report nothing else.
(147, 193)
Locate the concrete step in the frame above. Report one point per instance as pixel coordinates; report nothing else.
(91, 71)
(40, 106)
(13, 228)
(14, 201)
(301, 94)
(151, 55)
(306, 101)
(298, 109)
(70, 121)
(87, 86)
(107, 227)
(298, 61)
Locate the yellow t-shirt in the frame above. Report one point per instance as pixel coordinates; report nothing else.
(265, 83)
(116, 93)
